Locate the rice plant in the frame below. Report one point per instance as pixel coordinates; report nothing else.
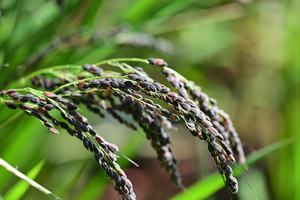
(242, 53)
(130, 91)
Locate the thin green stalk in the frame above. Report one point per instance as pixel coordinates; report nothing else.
(123, 60)
(28, 180)
(23, 80)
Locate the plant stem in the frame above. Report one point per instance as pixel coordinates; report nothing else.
(122, 59)
(28, 180)
(43, 71)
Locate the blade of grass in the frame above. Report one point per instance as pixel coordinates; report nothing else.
(20, 188)
(214, 182)
(290, 159)
(27, 179)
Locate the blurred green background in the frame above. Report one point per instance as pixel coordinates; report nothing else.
(245, 54)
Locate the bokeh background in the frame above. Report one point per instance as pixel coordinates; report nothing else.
(245, 54)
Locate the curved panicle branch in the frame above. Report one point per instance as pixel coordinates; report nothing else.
(132, 92)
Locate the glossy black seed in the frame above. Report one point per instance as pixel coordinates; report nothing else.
(128, 91)
(12, 106)
(95, 84)
(122, 87)
(113, 148)
(204, 106)
(152, 88)
(17, 96)
(42, 103)
(85, 86)
(158, 106)
(151, 61)
(176, 105)
(86, 67)
(195, 111)
(34, 99)
(64, 125)
(104, 84)
(36, 114)
(213, 101)
(214, 153)
(63, 115)
(105, 167)
(115, 176)
(200, 117)
(147, 119)
(224, 166)
(78, 126)
(136, 95)
(179, 99)
(49, 107)
(174, 117)
(85, 143)
(28, 96)
(182, 92)
(98, 72)
(24, 107)
(71, 106)
(191, 103)
(172, 95)
(166, 72)
(157, 86)
(165, 90)
(48, 115)
(139, 79)
(96, 110)
(234, 188)
(70, 131)
(114, 84)
(62, 100)
(91, 146)
(166, 113)
(96, 150)
(222, 157)
(206, 124)
(71, 120)
(144, 84)
(84, 128)
(132, 76)
(79, 136)
(149, 101)
(195, 94)
(185, 106)
(55, 122)
(24, 100)
(211, 138)
(27, 112)
(210, 147)
(48, 124)
(123, 180)
(128, 84)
